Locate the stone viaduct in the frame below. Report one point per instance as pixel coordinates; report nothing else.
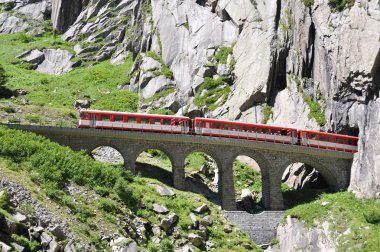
(273, 158)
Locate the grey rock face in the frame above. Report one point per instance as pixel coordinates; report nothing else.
(160, 209)
(365, 174)
(64, 13)
(57, 62)
(294, 236)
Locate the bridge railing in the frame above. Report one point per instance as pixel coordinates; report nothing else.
(41, 122)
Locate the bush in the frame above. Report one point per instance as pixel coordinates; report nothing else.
(166, 246)
(372, 216)
(4, 200)
(340, 5)
(107, 205)
(267, 112)
(124, 192)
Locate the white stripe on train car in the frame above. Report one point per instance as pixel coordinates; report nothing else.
(245, 134)
(141, 126)
(84, 122)
(332, 145)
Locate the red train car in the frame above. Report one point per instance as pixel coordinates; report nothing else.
(232, 129)
(133, 121)
(329, 141)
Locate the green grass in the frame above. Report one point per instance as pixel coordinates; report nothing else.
(161, 111)
(215, 90)
(222, 54)
(164, 69)
(98, 83)
(243, 173)
(343, 212)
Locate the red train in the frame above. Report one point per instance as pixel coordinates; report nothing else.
(212, 127)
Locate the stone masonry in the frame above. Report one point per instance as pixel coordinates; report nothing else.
(273, 158)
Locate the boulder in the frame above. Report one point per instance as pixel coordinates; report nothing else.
(4, 247)
(248, 199)
(206, 220)
(56, 62)
(20, 217)
(57, 231)
(168, 223)
(194, 220)
(82, 104)
(17, 247)
(202, 209)
(160, 209)
(33, 56)
(163, 191)
(196, 240)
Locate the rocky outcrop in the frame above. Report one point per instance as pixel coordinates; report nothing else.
(64, 13)
(24, 16)
(295, 236)
(365, 174)
(301, 176)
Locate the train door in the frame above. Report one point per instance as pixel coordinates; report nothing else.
(93, 121)
(294, 137)
(199, 127)
(304, 139)
(184, 127)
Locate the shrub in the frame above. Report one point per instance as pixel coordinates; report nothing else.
(4, 200)
(124, 192)
(340, 5)
(107, 205)
(372, 216)
(166, 246)
(267, 112)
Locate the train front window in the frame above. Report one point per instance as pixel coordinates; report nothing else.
(132, 119)
(157, 121)
(105, 117)
(144, 120)
(118, 118)
(166, 121)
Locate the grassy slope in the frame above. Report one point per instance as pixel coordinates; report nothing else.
(98, 81)
(38, 163)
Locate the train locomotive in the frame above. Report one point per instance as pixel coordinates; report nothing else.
(215, 128)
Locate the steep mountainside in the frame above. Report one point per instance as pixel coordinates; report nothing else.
(311, 64)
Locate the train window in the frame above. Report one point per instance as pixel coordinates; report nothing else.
(331, 139)
(339, 140)
(207, 125)
(284, 133)
(216, 125)
(166, 121)
(313, 136)
(157, 121)
(118, 118)
(349, 142)
(144, 120)
(265, 130)
(236, 128)
(176, 122)
(132, 119)
(84, 115)
(274, 132)
(322, 138)
(105, 118)
(255, 129)
(226, 126)
(245, 129)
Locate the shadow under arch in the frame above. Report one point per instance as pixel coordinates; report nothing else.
(198, 181)
(154, 161)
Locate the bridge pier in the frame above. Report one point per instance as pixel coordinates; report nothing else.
(226, 186)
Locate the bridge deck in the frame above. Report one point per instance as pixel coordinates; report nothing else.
(194, 139)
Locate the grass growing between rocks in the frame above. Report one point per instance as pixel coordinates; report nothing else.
(355, 222)
(212, 93)
(91, 196)
(98, 83)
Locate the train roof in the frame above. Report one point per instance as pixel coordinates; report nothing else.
(131, 113)
(329, 134)
(244, 123)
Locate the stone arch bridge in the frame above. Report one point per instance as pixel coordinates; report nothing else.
(273, 158)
